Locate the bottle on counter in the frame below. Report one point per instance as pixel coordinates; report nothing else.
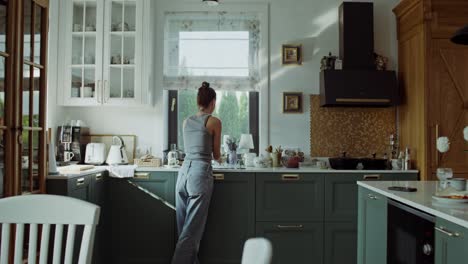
(407, 162)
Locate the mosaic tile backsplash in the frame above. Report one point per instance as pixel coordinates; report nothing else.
(359, 131)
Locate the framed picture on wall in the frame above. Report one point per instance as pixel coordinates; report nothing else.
(292, 102)
(292, 54)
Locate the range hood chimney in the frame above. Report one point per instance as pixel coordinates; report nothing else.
(358, 83)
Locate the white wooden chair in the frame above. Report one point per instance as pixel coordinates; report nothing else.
(47, 211)
(257, 251)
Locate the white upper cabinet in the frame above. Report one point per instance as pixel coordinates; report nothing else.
(101, 46)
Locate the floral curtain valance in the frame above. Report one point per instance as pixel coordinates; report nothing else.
(221, 69)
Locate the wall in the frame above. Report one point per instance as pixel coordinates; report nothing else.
(360, 131)
(312, 23)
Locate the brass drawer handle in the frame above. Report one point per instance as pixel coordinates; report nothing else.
(290, 226)
(143, 176)
(371, 177)
(372, 197)
(98, 176)
(447, 232)
(290, 177)
(218, 176)
(80, 181)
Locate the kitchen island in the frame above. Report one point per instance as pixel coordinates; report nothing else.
(310, 215)
(446, 241)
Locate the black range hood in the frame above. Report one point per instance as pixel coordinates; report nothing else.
(359, 83)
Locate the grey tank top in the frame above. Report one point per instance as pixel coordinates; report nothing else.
(198, 142)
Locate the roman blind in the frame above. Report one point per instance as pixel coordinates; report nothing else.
(219, 47)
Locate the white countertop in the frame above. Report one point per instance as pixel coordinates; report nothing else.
(421, 199)
(96, 169)
(282, 170)
(226, 170)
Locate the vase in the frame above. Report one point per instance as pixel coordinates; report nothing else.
(275, 159)
(232, 158)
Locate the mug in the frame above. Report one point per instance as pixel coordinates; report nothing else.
(458, 184)
(88, 91)
(68, 156)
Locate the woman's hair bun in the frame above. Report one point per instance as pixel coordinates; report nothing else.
(205, 84)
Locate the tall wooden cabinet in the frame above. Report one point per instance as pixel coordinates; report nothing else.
(433, 75)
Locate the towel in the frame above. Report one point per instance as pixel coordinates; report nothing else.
(121, 171)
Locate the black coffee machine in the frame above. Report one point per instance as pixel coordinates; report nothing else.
(71, 144)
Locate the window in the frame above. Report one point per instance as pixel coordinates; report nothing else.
(222, 49)
(238, 111)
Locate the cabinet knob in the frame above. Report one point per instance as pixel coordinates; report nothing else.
(371, 177)
(218, 176)
(144, 176)
(290, 177)
(290, 226)
(427, 249)
(80, 181)
(98, 177)
(372, 197)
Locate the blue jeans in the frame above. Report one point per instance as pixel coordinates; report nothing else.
(193, 194)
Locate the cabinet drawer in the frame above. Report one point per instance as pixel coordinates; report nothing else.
(81, 182)
(293, 242)
(289, 197)
(389, 176)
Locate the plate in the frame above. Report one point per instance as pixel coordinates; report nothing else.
(446, 200)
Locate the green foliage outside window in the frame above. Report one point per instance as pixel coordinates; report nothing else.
(232, 108)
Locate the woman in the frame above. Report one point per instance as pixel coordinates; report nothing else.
(202, 139)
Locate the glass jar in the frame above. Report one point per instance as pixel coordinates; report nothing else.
(173, 156)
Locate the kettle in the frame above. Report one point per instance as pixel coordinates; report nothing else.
(117, 153)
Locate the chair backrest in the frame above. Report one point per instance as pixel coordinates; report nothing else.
(257, 251)
(41, 213)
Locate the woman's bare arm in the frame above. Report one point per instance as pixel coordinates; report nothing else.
(214, 126)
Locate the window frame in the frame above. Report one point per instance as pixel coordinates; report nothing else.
(172, 120)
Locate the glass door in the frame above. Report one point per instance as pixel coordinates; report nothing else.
(33, 99)
(123, 42)
(4, 57)
(83, 53)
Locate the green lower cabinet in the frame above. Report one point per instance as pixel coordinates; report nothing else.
(341, 194)
(340, 243)
(298, 243)
(231, 218)
(142, 228)
(372, 227)
(161, 184)
(289, 197)
(451, 243)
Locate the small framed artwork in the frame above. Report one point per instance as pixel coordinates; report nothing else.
(292, 102)
(292, 54)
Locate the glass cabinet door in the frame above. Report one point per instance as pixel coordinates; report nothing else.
(3, 58)
(33, 98)
(122, 42)
(83, 52)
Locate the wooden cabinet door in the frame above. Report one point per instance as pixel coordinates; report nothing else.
(294, 242)
(161, 184)
(449, 104)
(231, 218)
(372, 227)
